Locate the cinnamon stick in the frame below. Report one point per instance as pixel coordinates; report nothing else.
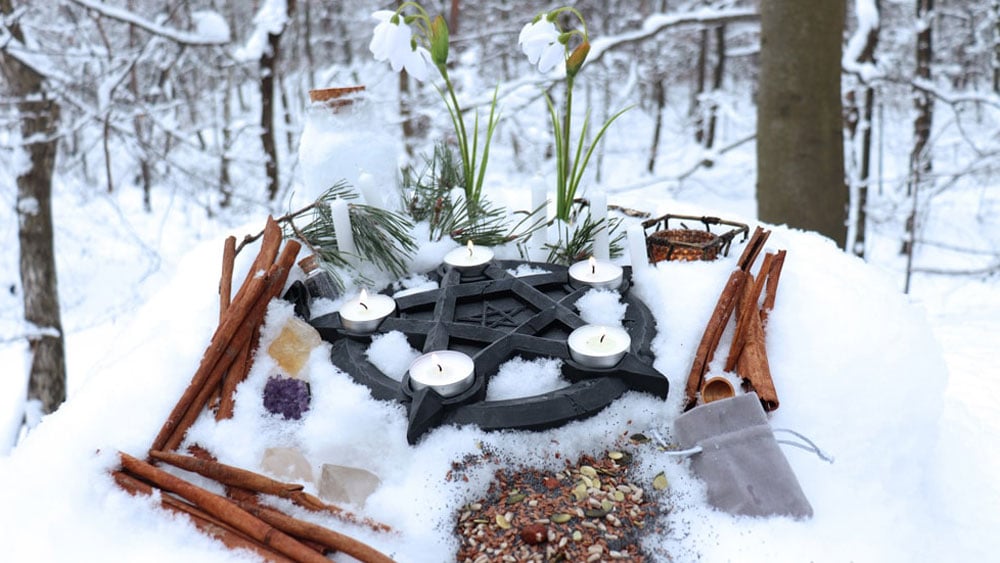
(752, 365)
(223, 509)
(269, 247)
(720, 316)
(227, 474)
(226, 281)
(323, 536)
(205, 522)
(713, 333)
(237, 373)
(274, 282)
(235, 316)
(773, 276)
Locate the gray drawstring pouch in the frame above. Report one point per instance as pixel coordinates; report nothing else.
(740, 461)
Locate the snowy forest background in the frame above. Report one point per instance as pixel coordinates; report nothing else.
(170, 121)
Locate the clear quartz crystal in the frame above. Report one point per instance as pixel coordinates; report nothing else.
(287, 463)
(341, 484)
(318, 281)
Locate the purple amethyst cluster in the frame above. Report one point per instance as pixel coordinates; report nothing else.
(286, 396)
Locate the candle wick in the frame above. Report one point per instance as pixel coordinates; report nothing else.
(362, 303)
(602, 337)
(440, 368)
(593, 269)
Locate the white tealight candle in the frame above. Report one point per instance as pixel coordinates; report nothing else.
(599, 346)
(470, 258)
(596, 273)
(448, 372)
(365, 312)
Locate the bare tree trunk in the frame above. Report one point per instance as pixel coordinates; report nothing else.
(718, 72)
(920, 158)
(39, 122)
(858, 230)
(453, 17)
(268, 72)
(995, 13)
(800, 136)
(660, 97)
(697, 108)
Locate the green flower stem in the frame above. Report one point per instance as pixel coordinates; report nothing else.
(459, 123)
(565, 199)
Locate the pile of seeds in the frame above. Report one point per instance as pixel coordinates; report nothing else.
(590, 511)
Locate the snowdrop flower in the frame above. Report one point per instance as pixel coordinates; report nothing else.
(393, 40)
(541, 42)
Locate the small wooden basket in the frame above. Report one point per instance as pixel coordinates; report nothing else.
(665, 243)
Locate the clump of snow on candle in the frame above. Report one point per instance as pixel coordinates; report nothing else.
(522, 378)
(391, 354)
(601, 307)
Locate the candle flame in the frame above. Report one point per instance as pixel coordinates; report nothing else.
(362, 298)
(593, 265)
(470, 246)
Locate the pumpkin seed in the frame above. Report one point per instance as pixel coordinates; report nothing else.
(577, 535)
(595, 513)
(502, 522)
(588, 471)
(639, 438)
(616, 455)
(618, 496)
(516, 498)
(560, 518)
(660, 481)
(606, 505)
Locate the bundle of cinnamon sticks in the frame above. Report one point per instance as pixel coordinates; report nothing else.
(747, 353)
(239, 519)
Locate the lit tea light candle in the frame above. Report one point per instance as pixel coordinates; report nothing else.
(365, 312)
(599, 346)
(470, 258)
(596, 273)
(448, 372)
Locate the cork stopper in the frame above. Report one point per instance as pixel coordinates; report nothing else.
(336, 98)
(309, 264)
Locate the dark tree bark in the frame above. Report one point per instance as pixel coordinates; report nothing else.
(866, 113)
(800, 151)
(718, 72)
(39, 121)
(920, 159)
(660, 97)
(268, 71)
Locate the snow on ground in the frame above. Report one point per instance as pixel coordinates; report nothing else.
(856, 365)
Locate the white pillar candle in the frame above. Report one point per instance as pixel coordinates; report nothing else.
(599, 346)
(341, 216)
(448, 372)
(596, 273)
(637, 247)
(599, 212)
(365, 313)
(469, 258)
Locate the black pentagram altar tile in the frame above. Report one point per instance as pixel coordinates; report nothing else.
(495, 317)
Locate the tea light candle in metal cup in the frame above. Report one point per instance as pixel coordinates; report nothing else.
(469, 258)
(449, 372)
(365, 313)
(599, 346)
(596, 273)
